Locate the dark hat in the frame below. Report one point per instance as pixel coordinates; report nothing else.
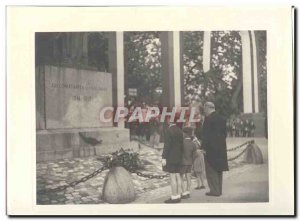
(188, 130)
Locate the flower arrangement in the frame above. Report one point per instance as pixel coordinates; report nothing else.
(126, 158)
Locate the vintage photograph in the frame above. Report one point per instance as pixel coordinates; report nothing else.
(151, 117)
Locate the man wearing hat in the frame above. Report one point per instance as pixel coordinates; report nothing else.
(214, 143)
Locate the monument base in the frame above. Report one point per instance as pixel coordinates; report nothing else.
(71, 143)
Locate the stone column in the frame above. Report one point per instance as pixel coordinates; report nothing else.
(116, 68)
(250, 79)
(255, 73)
(171, 68)
(247, 79)
(206, 51)
(120, 72)
(177, 68)
(181, 45)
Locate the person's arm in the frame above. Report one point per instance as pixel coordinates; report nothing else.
(210, 134)
(223, 128)
(198, 131)
(166, 145)
(194, 154)
(197, 142)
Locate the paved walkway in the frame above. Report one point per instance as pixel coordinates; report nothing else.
(243, 183)
(250, 185)
(53, 174)
(250, 179)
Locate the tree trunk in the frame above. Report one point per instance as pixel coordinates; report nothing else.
(234, 100)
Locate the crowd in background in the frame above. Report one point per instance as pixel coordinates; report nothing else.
(238, 127)
(152, 131)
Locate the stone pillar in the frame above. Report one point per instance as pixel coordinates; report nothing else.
(177, 68)
(255, 73)
(250, 78)
(247, 79)
(116, 68)
(120, 72)
(171, 68)
(181, 36)
(206, 51)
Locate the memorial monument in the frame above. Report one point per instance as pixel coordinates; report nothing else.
(75, 78)
(68, 104)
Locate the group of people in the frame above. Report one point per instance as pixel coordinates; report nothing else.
(238, 127)
(202, 147)
(145, 131)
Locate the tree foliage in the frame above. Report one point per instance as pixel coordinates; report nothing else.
(222, 84)
(226, 63)
(143, 62)
(193, 68)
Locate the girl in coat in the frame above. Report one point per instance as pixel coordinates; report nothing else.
(199, 165)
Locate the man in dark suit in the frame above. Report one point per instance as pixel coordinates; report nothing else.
(214, 143)
(171, 159)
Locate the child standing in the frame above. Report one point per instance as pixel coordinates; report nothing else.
(188, 156)
(171, 159)
(199, 165)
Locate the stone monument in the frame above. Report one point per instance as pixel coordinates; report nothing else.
(68, 104)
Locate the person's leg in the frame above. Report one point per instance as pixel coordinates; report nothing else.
(173, 183)
(151, 141)
(182, 183)
(188, 182)
(212, 179)
(156, 138)
(215, 183)
(185, 194)
(198, 178)
(144, 133)
(175, 198)
(178, 183)
(220, 182)
(209, 176)
(201, 178)
(139, 131)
